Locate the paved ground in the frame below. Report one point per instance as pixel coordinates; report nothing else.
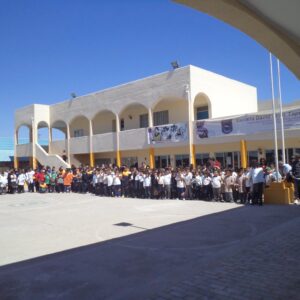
(172, 250)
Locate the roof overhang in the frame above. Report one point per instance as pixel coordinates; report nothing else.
(274, 24)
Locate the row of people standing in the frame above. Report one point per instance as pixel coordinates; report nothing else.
(209, 182)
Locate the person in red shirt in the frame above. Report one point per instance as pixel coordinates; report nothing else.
(39, 178)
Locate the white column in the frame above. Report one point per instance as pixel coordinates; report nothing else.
(118, 155)
(68, 144)
(16, 137)
(190, 125)
(16, 165)
(150, 117)
(91, 134)
(33, 139)
(274, 118)
(281, 115)
(49, 139)
(91, 143)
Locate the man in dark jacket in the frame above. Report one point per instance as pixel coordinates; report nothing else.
(296, 176)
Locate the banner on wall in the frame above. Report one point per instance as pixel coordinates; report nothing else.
(245, 125)
(173, 133)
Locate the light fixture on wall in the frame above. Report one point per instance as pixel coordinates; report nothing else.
(130, 117)
(175, 64)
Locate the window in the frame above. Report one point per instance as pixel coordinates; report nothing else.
(144, 121)
(202, 113)
(270, 156)
(202, 159)
(161, 117)
(182, 160)
(78, 132)
(122, 124)
(129, 161)
(102, 161)
(162, 161)
(252, 156)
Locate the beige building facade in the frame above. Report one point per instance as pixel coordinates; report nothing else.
(111, 126)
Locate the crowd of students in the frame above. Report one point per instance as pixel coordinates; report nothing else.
(209, 182)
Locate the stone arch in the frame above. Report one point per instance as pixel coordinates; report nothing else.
(169, 110)
(104, 121)
(79, 126)
(133, 116)
(24, 134)
(59, 130)
(43, 134)
(202, 107)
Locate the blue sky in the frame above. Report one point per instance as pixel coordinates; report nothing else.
(52, 48)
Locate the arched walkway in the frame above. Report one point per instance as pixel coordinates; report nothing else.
(133, 116)
(79, 126)
(170, 110)
(24, 134)
(43, 135)
(59, 131)
(104, 122)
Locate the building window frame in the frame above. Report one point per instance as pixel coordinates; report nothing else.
(78, 132)
(202, 113)
(144, 121)
(161, 117)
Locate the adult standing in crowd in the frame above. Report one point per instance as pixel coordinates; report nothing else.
(296, 177)
(258, 179)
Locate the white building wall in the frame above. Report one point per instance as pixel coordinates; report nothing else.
(166, 91)
(145, 91)
(228, 97)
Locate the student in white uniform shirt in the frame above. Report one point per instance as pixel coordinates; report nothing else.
(216, 186)
(147, 185)
(207, 189)
(117, 185)
(21, 182)
(110, 179)
(167, 184)
(258, 179)
(188, 177)
(30, 180)
(248, 186)
(141, 192)
(285, 169)
(160, 182)
(136, 179)
(228, 185)
(3, 183)
(180, 183)
(105, 183)
(197, 183)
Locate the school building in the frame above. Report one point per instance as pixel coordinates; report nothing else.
(111, 126)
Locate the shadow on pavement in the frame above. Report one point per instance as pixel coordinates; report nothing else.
(147, 264)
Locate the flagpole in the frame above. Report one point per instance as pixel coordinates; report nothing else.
(274, 119)
(281, 115)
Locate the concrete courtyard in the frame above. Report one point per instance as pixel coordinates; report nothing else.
(72, 246)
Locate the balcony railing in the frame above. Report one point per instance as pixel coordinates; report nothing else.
(79, 145)
(133, 139)
(24, 150)
(104, 142)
